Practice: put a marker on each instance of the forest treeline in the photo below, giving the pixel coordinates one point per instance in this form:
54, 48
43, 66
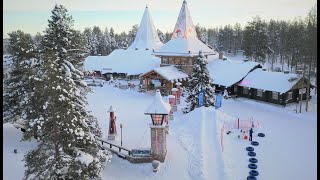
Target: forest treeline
291, 43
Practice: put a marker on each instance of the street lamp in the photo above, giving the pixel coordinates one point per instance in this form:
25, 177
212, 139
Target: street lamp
158, 110
121, 132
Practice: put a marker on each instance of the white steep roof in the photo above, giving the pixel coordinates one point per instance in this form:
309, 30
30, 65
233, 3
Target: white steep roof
111, 109
181, 47
132, 62
170, 73
270, 81
158, 106
228, 72
184, 41
147, 36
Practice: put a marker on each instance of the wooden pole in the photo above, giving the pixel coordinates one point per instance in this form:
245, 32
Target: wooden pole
304, 67
308, 86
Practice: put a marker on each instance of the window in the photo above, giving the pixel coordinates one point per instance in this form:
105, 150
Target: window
183, 61
275, 95
289, 95
165, 60
177, 61
156, 119
171, 60
259, 92
245, 90
235, 89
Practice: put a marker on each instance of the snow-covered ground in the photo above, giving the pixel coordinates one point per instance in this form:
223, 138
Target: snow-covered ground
287, 152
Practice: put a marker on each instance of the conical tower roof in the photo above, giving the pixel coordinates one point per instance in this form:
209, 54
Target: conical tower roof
147, 36
184, 41
184, 27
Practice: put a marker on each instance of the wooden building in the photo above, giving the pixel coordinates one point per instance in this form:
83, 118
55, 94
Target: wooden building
274, 87
179, 54
168, 76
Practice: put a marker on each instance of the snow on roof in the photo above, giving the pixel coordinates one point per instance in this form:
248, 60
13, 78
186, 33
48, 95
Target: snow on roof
147, 36
171, 96
181, 47
132, 62
184, 26
184, 41
169, 73
270, 81
111, 109
158, 106
228, 72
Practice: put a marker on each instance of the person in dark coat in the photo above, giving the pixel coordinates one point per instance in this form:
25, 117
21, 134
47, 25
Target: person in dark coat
250, 134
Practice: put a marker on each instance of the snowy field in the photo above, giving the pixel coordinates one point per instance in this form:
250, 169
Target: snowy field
287, 152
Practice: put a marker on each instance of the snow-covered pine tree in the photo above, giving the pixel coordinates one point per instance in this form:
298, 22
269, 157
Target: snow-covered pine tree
161, 35
107, 40
66, 133
200, 80
18, 85
132, 33
87, 33
113, 42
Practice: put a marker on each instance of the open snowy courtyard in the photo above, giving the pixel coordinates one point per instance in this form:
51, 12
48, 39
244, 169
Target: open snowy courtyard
288, 151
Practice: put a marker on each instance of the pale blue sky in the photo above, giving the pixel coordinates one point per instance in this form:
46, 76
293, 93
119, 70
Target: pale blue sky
31, 15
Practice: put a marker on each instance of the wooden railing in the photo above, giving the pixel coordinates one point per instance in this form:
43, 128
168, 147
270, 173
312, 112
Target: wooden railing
119, 147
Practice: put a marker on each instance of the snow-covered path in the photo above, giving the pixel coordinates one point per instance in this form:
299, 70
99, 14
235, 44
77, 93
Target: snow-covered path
201, 143
213, 162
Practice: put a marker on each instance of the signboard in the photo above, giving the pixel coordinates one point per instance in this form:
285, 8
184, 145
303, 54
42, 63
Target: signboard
302, 91
218, 101
201, 98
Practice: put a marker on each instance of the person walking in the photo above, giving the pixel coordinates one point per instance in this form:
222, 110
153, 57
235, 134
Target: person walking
250, 134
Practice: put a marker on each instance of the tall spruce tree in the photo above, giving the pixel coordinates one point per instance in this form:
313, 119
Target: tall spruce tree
200, 80
66, 133
18, 85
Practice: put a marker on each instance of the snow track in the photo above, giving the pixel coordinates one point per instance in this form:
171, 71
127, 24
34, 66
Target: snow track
201, 143
213, 162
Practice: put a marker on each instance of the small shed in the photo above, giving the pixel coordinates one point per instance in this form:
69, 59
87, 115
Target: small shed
167, 75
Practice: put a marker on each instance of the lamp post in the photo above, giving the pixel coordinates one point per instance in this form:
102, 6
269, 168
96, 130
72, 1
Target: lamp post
171, 102
158, 111
121, 132
174, 93
178, 92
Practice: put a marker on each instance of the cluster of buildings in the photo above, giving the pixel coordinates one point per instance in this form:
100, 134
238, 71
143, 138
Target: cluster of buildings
148, 59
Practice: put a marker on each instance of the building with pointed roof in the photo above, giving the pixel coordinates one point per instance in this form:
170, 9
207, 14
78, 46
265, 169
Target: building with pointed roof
147, 36
184, 46
135, 60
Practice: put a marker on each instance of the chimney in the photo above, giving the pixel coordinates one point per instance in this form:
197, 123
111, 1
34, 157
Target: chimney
220, 55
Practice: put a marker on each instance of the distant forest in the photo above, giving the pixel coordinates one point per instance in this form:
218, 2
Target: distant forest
291, 43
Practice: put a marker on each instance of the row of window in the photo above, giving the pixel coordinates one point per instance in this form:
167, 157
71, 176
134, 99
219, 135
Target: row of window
177, 61
275, 95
